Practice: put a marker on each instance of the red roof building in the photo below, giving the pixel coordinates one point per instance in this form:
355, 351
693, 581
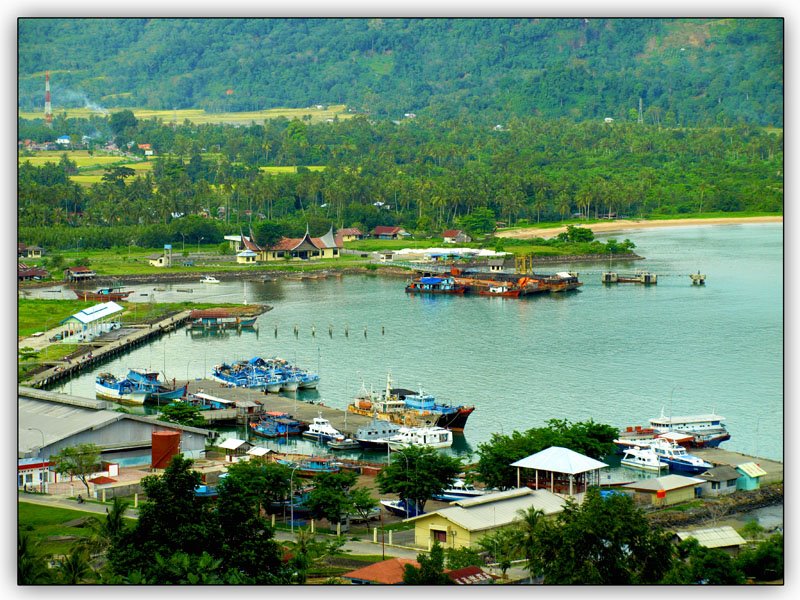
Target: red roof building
387, 572
470, 576
385, 232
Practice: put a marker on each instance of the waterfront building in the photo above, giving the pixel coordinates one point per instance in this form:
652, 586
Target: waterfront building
666, 490
465, 521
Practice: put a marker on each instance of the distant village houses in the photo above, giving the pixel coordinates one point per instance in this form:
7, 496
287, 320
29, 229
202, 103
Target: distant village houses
455, 236
384, 232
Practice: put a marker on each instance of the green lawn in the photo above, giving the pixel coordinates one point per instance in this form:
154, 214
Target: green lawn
45, 523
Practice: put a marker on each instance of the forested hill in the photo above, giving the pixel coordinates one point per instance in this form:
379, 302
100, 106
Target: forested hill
686, 71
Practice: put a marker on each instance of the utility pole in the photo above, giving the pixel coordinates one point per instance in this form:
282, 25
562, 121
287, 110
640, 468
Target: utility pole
641, 118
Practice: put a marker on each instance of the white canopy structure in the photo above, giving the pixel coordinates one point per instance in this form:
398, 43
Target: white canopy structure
556, 462
94, 320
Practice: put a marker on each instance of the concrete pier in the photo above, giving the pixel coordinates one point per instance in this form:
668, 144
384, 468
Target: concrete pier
342, 420
720, 456
107, 346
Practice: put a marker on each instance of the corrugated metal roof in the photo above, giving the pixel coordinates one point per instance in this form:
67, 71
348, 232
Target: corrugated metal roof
560, 460
499, 509
717, 537
751, 469
232, 444
721, 473
259, 451
388, 572
666, 483
56, 422
95, 313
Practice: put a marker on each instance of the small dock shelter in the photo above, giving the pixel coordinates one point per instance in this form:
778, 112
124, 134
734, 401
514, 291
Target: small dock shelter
94, 321
559, 470
751, 476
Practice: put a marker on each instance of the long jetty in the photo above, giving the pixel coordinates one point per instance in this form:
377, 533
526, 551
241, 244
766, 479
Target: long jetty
301, 410
107, 346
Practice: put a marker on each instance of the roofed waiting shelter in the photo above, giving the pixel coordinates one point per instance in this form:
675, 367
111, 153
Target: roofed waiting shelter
93, 321
559, 470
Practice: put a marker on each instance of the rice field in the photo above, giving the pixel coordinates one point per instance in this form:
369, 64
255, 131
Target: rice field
200, 116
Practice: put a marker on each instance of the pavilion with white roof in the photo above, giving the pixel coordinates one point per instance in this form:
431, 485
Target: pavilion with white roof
559, 470
94, 320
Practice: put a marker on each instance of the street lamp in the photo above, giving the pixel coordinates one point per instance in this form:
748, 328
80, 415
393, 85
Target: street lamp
41, 433
183, 242
198, 244
291, 497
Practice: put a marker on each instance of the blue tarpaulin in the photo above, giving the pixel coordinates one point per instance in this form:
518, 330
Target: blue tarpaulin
431, 280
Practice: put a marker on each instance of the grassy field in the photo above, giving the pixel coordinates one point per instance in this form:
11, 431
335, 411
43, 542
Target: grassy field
122, 261
46, 524
201, 116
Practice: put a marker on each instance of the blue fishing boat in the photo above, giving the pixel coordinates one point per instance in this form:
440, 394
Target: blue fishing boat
276, 424
402, 508
313, 465
119, 389
155, 389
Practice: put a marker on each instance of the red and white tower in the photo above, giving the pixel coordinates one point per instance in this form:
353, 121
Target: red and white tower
48, 111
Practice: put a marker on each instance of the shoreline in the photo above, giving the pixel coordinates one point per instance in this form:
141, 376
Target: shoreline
633, 224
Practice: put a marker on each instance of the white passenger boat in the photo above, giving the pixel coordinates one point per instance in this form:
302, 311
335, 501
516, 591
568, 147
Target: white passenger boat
321, 430
209, 279
643, 458
431, 437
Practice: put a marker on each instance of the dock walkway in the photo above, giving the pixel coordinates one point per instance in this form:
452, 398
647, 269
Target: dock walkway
106, 346
345, 422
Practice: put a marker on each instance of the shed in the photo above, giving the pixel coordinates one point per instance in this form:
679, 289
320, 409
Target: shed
751, 476
465, 521
234, 448
725, 538
258, 451
561, 470
719, 481
246, 257
666, 490
78, 274
94, 320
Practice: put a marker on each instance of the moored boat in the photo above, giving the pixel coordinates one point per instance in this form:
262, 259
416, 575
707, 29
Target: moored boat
276, 424
313, 465
410, 408
108, 294
501, 291
643, 458
375, 434
435, 285
677, 458
458, 490
120, 389
320, 429
344, 444
401, 508
209, 279
429, 437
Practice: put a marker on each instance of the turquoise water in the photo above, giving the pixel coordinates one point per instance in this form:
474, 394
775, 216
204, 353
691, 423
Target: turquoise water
616, 354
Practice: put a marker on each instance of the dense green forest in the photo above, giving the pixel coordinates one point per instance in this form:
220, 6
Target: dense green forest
687, 72
423, 174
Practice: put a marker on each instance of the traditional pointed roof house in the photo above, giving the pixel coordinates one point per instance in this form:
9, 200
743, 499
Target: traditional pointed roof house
305, 248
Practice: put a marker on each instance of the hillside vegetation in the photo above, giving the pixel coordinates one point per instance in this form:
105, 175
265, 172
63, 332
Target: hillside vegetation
686, 71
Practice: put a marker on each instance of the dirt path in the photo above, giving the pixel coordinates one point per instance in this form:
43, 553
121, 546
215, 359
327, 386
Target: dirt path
631, 224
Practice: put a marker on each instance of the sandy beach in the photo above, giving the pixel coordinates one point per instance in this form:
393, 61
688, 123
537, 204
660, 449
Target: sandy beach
632, 224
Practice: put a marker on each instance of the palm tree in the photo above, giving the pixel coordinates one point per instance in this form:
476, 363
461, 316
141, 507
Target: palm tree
528, 528
74, 568
31, 562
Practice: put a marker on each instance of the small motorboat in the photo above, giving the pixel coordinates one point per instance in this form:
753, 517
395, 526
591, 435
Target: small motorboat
344, 444
401, 508
459, 490
209, 279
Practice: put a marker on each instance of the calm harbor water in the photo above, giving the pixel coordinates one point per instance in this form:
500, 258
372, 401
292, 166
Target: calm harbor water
616, 354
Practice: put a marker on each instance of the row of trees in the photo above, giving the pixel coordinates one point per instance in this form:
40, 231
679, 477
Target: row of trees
424, 175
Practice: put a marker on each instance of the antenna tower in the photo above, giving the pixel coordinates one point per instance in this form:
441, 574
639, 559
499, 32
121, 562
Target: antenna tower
48, 111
